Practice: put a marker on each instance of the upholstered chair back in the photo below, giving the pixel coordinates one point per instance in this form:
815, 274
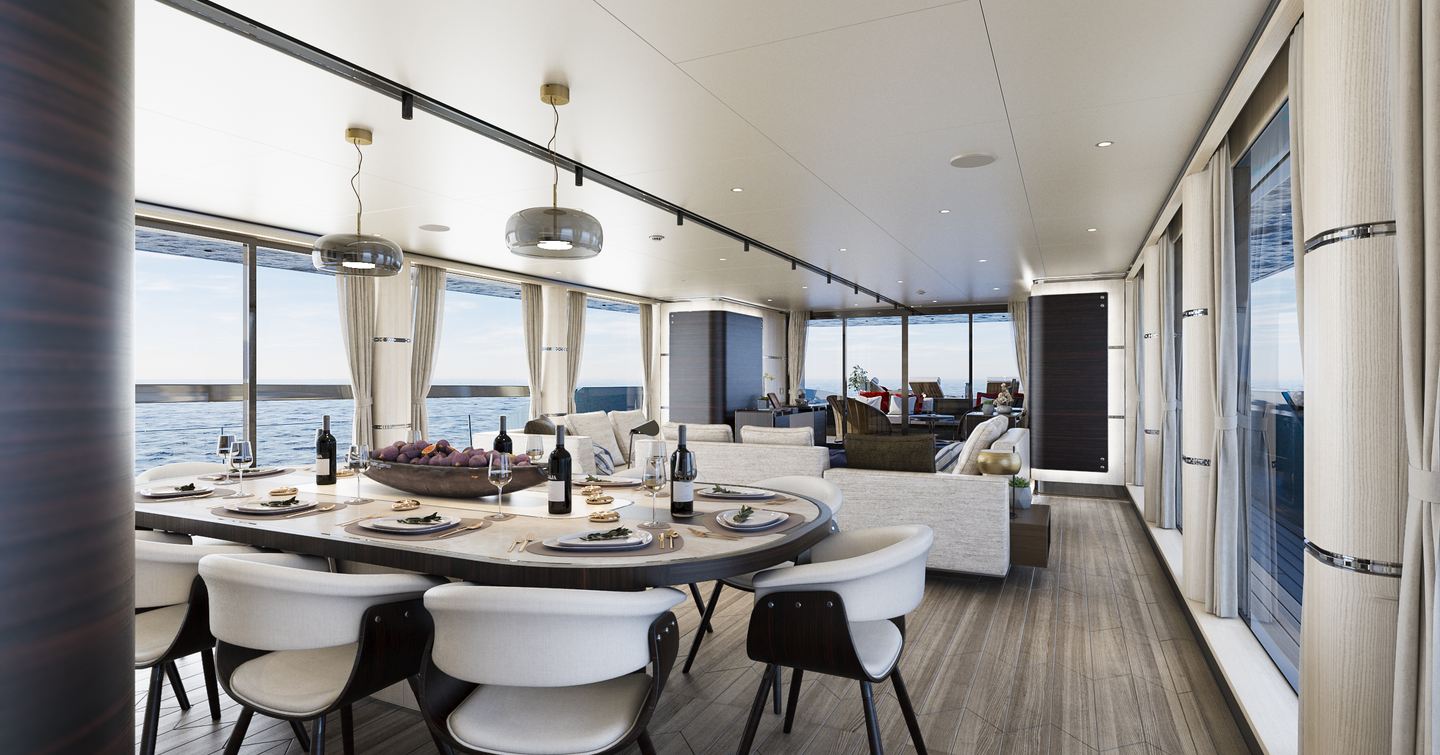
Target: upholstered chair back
165, 569
282, 601
180, 469
818, 488
534, 637
778, 436
879, 573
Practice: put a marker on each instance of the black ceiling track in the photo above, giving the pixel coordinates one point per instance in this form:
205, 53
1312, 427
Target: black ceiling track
281, 42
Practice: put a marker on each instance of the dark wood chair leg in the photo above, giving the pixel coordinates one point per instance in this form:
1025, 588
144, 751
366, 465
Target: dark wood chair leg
757, 709
775, 682
212, 690
237, 734
704, 624
317, 745
646, 746
347, 730
872, 726
700, 604
440, 746
300, 735
151, 729
175, 684
795, 677
911, 722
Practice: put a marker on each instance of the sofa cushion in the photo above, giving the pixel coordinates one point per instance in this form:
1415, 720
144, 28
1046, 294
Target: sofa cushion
896, 453
595, 426
622, 423
778, 436
981, 437
946, 457
604, 462
699, 432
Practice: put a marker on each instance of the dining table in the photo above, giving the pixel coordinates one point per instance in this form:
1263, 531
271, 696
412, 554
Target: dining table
508, 553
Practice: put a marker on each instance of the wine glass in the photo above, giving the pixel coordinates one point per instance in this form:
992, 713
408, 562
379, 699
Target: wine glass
535, 447
240, 457
358, 460
499, 477
655, 468
222, 447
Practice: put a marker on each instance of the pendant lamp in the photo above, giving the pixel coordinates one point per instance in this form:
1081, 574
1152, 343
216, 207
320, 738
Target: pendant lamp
554, 232
357, 253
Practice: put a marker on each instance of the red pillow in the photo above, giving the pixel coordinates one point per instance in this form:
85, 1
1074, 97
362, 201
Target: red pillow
884, 399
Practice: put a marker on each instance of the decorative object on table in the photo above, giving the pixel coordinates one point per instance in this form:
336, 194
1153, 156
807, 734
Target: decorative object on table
1003, 400
987, 406
357, 253
325, 451
438, 469
499, 474
653, 463
1020, 492
405, 504
358, 460
997, 462
682, 479
554, 232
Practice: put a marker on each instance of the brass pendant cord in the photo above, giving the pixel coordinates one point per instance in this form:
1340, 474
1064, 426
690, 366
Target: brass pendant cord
555, 186
359, 205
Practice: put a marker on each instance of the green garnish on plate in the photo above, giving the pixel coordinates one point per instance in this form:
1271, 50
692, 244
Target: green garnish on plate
592, 478
434, 518
615, 534
187, 487
743, 514
722, 490
281, 504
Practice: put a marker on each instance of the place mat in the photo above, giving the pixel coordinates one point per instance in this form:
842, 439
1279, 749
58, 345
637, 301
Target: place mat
232, 477
228, 514
356, 529
792, 521
779, 498
215, 496
653, 549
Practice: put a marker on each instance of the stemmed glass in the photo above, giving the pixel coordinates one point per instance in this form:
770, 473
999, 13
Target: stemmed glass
655, 467
535, 447
499, 477
222, 448
359, 460
240, 457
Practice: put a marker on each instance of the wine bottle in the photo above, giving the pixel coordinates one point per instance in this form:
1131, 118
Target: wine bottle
502, 441
325, 455
682, 479
559, 474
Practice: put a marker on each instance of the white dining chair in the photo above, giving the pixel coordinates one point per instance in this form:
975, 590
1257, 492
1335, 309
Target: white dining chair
180, 469
295, 641
532, 670
817, 488
172, 619
842, 614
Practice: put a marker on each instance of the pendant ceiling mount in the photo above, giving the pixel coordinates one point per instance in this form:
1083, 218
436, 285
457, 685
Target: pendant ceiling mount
554, 232
357, 253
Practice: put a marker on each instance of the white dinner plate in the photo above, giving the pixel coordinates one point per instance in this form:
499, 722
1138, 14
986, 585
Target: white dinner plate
738, 495
250, 474
393, 525
174, 491
258, 506
576, 542
758, 521
606, 481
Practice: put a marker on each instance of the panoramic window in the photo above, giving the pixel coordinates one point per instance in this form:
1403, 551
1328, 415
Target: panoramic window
940, 350
612, 376
994, 350
480, 367
1271, 384
824, 371
873, 351
189, 336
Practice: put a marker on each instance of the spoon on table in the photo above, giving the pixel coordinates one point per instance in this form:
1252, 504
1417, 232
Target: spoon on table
317, 510
475, 526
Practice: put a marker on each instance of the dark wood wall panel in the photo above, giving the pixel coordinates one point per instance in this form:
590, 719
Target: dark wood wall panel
1067, 397
715, 365
67, 551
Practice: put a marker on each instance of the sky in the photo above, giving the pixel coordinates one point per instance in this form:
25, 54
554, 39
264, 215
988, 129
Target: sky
937, 350
187, 315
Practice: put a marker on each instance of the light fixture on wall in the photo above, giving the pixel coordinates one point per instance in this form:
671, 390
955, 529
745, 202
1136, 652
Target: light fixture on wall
554, 232
357, 253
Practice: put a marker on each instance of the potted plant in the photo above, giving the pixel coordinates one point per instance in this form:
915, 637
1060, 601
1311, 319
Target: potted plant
859, 379
1020, 492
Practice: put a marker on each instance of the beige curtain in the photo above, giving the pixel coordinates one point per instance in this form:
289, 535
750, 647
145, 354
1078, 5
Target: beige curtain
1297, 168
429, 316
1415, 124
532, 317
798, 325
1225, 467
356, 295
1135, 354
1020, 320
1168, 463
574, 342
647, 358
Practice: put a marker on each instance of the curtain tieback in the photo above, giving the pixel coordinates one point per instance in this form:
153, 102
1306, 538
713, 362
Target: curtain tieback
1425, 484
1227, 422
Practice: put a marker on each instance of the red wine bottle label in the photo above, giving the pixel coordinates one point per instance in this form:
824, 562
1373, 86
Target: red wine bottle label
683, 491
322, 467
556, 490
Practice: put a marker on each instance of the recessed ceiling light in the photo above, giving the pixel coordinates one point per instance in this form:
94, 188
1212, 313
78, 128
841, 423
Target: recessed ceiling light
944, 212
972, 160
737, 189
997, 288
984, 260
1091, 230
899, 281
934, 301
843, 249
804, 286
722, 259
769, 300
435, 227
1104, 144
657, 237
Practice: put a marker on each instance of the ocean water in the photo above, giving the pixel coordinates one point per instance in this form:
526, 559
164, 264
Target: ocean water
285, 430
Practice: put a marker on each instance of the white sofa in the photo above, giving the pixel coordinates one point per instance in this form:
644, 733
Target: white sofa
970, 514
744, 463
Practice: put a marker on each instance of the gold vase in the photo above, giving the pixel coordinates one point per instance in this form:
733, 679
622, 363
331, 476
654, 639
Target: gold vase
999, 462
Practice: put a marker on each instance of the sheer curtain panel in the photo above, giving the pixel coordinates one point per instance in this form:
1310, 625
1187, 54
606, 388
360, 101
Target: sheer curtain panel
356, 295
799, 323
1224, 493
647, 360
1020, 322
574, 340
533, 321
429, 316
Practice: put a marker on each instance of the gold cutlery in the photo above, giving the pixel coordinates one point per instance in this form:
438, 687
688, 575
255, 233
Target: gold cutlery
707, 533
514, 544
317, 510
475, 526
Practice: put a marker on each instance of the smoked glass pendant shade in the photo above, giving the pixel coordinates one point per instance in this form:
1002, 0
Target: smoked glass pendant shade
554, 233
357, 254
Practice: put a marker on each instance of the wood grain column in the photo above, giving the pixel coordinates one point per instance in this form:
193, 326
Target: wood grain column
1354, 457
66, 391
